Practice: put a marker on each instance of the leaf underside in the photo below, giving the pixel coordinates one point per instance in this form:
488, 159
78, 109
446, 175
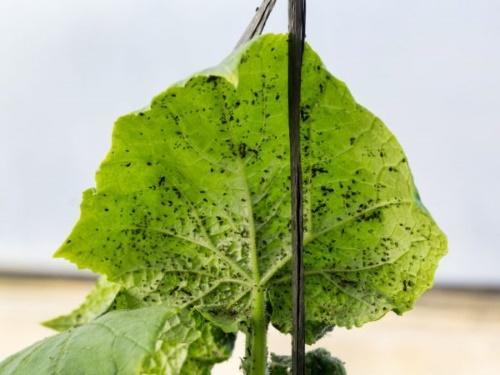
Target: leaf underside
192, 202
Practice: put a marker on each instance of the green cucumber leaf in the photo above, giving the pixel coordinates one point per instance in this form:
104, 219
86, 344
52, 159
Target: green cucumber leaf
211, 347
97, 302
317, 362
191, 205
152, 340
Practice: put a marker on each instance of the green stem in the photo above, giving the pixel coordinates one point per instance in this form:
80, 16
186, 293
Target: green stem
256, 341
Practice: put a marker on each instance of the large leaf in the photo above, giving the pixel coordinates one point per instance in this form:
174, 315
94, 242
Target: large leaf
192, 202
152, 340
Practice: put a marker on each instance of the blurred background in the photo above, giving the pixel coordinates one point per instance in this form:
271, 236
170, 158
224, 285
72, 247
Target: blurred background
430, 70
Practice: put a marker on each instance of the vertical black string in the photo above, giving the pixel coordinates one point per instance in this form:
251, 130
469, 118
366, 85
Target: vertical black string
296, 29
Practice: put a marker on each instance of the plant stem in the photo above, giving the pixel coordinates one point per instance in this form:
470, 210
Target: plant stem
256, 341
258, 22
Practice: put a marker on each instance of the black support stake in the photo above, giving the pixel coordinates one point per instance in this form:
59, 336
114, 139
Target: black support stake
296, 29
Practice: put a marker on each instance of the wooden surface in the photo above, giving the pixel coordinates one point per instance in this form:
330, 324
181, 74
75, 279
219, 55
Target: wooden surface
449, 332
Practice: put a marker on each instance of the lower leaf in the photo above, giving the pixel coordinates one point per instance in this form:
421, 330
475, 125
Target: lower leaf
151, 340
318, 362
197, 356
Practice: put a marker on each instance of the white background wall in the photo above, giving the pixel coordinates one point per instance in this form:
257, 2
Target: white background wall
430, 69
